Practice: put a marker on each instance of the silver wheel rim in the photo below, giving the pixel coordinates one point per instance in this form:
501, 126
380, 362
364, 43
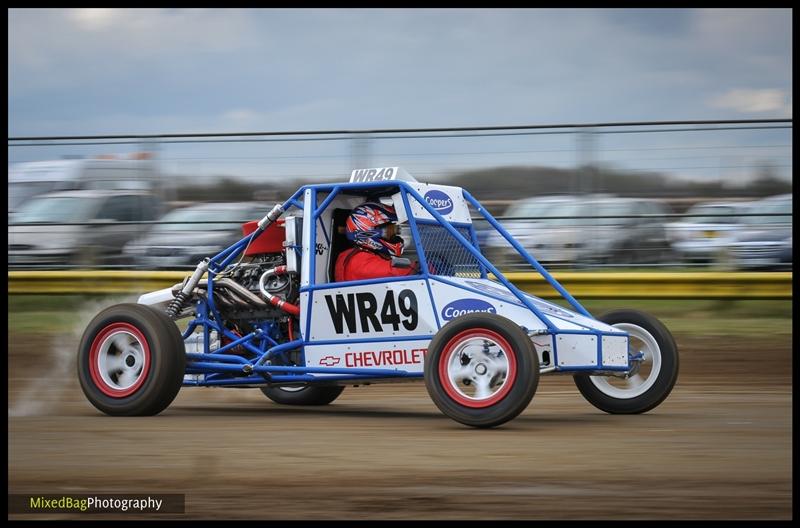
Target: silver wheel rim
292, 389
631, 387
478, 368
121, 360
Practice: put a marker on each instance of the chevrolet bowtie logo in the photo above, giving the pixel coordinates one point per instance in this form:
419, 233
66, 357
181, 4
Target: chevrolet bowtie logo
329, 361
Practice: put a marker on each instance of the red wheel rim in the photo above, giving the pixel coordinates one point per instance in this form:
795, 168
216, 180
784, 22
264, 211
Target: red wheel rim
480, 368
110, 371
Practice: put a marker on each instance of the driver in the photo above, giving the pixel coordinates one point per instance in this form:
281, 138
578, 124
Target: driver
373, 229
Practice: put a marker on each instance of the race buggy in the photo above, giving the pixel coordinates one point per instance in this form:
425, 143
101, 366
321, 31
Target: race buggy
267, 313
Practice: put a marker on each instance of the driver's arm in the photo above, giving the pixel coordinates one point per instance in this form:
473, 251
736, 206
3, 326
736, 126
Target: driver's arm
368, 266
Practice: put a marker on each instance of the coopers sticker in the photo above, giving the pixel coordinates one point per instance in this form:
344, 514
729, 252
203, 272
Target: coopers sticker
501, 292
466, 306
439, 201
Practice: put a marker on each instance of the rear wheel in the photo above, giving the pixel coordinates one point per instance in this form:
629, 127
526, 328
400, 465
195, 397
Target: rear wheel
305, 395
481, 370
131, 361
654, 370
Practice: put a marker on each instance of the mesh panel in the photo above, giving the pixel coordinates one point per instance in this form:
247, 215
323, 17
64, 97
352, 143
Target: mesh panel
446, 254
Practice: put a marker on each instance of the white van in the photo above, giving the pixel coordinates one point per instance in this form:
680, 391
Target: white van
30, 179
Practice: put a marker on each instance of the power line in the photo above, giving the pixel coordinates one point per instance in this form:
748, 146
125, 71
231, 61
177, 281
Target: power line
405, 130
48, 141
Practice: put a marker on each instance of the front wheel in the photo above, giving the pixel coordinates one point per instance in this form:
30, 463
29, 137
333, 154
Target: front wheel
131, 361
305, 395
654, 367
481, 370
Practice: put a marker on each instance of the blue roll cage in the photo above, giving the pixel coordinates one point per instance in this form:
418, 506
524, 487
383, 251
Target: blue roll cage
217, 366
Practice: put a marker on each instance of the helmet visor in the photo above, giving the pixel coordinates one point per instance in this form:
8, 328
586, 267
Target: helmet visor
388, 231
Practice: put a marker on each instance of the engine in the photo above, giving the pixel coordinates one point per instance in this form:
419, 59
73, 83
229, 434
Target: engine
236, 304
257, 292
248, 274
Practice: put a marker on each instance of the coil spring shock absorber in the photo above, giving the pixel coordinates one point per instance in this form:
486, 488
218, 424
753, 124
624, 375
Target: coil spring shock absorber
180, 299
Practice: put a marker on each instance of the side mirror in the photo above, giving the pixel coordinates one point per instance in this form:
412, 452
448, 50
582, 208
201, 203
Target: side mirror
401, 262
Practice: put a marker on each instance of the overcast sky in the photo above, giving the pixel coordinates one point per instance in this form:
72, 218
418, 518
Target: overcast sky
114, 71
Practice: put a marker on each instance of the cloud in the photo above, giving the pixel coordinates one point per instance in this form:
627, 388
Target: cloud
174, 70
87, 47
93, 18
241, 115
753, 101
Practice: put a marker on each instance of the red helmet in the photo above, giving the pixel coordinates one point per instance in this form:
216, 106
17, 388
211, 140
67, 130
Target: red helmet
372, 226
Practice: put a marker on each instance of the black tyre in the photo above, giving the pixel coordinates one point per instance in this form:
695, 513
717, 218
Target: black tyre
131, 361
652, 379
481, 370
307, 395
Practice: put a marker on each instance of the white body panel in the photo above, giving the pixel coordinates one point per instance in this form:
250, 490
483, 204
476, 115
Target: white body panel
351, 315
464, 296
576, 350
293, 255
562, 318
615, 351
158, 298
446, 200
303, 314
322, 248
543, 344
372, 311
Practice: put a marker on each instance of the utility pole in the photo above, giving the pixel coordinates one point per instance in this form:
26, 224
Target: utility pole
359, 151
585, 146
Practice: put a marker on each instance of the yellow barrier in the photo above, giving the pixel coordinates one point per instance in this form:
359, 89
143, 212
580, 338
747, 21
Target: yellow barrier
581, 285
91, 282
661, 285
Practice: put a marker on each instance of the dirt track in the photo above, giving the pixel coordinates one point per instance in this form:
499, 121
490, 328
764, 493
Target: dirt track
718, 448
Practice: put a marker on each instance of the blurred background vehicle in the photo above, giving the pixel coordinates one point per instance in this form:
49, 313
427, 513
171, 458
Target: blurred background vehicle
185, 236
765, 240
707, 232
85, 228
586, 230
518, 219
628, 196
30, 179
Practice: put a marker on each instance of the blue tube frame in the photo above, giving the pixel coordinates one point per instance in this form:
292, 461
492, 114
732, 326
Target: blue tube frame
214, 365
